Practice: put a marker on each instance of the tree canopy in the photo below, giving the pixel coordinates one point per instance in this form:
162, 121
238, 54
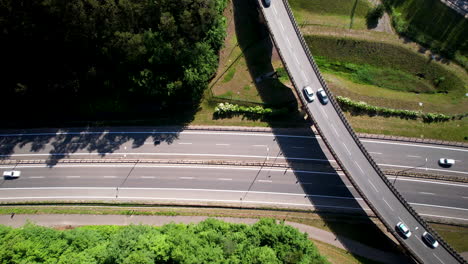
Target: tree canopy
211, 241
162, 49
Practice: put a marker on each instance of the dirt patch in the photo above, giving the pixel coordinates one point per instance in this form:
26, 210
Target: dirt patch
385, 22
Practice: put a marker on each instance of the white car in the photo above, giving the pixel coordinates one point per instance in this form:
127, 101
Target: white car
403, 229
12, 174
446, 162
309, 94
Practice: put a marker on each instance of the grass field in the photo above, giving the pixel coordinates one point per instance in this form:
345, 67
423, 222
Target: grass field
337, 13
386, 56
339, 256
452, 130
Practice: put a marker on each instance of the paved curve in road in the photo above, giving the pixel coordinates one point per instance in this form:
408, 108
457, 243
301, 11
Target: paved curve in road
390, 209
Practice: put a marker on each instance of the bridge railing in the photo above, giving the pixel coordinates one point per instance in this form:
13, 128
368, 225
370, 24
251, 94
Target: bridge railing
390, 227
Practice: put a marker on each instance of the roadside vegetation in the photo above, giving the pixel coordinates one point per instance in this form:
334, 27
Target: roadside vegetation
211, 241
342, 225
107, 59
339, 13
432, 24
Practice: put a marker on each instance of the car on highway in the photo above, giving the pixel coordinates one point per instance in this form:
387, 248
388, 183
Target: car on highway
322, 95
308, 94
267, 3
11, 174
403, 229
446, 162
430, 240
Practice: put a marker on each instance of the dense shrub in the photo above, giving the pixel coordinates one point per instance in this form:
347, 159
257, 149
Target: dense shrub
228, 110
350, 105
211, 241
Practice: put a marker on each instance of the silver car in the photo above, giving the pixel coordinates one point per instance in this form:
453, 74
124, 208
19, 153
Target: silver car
308, 94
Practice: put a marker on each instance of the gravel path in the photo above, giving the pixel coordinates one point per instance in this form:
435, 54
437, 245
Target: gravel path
80, 220
385, 23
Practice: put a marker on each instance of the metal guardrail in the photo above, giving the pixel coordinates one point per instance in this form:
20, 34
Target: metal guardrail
358, 142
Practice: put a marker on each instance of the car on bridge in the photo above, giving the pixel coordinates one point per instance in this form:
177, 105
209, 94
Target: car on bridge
403, 229
430, 240
322, 95
267, 3
308, 94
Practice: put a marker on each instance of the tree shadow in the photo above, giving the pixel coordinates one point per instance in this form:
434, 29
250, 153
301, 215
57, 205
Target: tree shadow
326, 192
57, 144
258, 50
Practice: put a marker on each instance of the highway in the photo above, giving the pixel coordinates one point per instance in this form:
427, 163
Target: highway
219, 145
328, 121
203, 184
312, 176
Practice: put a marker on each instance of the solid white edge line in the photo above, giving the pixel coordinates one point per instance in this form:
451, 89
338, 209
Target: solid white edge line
219, 133
417, 168
183, 199
162, 154
427, 181
184, 189
180, 167
428, 193
413, 145
442, 216
440, 206
266, 134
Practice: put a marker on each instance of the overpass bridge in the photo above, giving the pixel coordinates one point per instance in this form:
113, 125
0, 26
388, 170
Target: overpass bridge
350, 154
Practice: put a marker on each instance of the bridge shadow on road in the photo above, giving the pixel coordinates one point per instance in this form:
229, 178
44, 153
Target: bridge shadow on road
333, 201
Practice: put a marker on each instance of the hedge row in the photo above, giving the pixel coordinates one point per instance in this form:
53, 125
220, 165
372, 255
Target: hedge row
350, 105
227, 109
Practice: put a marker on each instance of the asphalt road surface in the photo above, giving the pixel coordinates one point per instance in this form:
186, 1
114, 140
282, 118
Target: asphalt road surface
384, 201
210, 145
222, 184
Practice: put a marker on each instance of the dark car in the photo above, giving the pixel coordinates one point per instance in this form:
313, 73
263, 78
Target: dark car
322, 96
267, 3
430, 240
